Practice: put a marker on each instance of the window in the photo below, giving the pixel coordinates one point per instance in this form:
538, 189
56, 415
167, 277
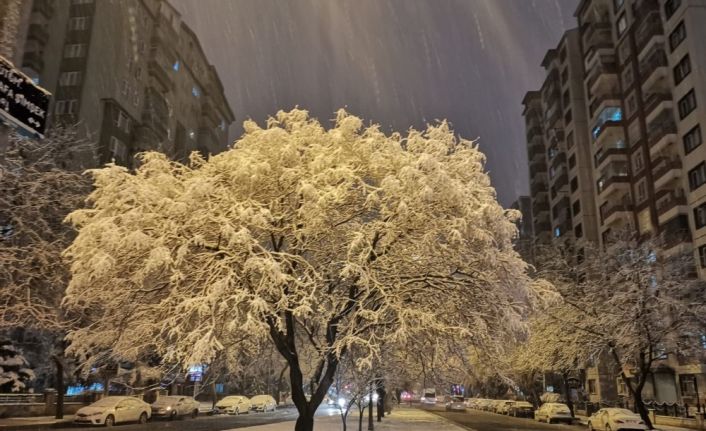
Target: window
565, 76
574, 184
562, 54
576, 207
700, 216
122, 122
124, 87
624, 51
78, 23
117, 150
566, 99
692, 139
641, 191
627, 76
687, 384
591, 386
687, 104
677, 36
66, 107
682, 69
697, 176
671, 6
60, 107
622, 24
557, 232
608, 114
702, 256
569, 140
638, 161
195, 91
74, 50
176, 66
70, 79
568, 117
572, 161
644, 221
578, 231
631, 105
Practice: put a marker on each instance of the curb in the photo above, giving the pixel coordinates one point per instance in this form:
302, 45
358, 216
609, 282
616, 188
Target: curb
450, 422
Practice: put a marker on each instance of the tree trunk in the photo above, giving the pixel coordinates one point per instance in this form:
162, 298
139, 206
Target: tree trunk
305, 421
360, 419
641, 409
59, 388
278, 389
567, 393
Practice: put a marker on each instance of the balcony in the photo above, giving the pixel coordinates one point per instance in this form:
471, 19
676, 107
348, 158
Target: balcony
603, 76
598, 34
613, 154
160, 74
552, 117
538, 207
612, 214
664, 170
537, 167
612, 182
156, 112
534, 131
535, 149
537, 187
38, 33
661, 132
670, 203
558, 160
650, 26
655, 104
43, 7
34, 61
560, 178
603, 101
653, 68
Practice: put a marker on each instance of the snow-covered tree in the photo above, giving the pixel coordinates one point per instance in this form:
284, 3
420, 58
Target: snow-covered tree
15, 371
39, 189
322, 241
633, 302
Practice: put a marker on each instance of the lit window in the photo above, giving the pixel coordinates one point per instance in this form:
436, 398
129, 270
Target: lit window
70, 79
78, 23
176, 66
609, 114
117, 151
74, 50
195, 91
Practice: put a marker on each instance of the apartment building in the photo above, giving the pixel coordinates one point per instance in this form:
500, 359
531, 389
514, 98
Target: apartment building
561, 189
639, 162
131, 73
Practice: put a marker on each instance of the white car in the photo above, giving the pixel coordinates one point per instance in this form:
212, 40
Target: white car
174, 406
553, 412
109, 411
263, 403
233, 405
503, 407
613, 419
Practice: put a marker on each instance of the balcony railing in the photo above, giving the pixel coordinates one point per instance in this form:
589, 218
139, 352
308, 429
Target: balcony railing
598, 100
650, 26
660, 128
662, 165
538, 187
536, 130
666, 200
535, 149
652, 100
656, 59
540, 206
608, 211
43, 7
536, 168
598, 70
600, 158
559, 159
39, 33
598, 33
609, 179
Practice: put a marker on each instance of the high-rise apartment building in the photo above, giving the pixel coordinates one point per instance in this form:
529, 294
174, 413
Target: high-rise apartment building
631, 83
131, 73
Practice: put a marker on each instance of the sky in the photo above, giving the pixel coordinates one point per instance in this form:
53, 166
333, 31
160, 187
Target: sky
398, 63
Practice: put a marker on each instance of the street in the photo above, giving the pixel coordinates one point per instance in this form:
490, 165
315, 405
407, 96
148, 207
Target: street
211, 423
486, 421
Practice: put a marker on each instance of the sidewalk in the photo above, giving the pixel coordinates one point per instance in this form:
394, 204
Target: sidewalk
401, 419
11, 424
584, 421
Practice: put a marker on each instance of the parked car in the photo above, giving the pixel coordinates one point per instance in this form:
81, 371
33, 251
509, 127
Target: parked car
174, 406
455, 404
614, 419
503, 407
495, 405
553, 412
521, 409
109, 411
487, 405
263, 403
429, 397
233, 405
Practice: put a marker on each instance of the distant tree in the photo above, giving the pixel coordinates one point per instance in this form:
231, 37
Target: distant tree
15, 371
634, 302
319, 240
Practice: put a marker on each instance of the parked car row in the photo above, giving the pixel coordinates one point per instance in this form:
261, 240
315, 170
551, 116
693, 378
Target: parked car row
505, 407
112, 410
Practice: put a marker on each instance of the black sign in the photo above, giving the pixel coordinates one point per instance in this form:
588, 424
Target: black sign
21, 101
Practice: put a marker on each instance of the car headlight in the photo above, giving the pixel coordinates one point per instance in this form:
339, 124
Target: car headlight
168, 408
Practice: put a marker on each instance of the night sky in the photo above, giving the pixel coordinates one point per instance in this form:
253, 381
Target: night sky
399, 63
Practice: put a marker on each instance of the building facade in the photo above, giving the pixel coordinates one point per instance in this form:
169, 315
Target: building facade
131, 74
631, 81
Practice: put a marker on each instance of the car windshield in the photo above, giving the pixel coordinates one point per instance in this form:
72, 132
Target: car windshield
457, 399
107, 402
259, 398
167, 400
